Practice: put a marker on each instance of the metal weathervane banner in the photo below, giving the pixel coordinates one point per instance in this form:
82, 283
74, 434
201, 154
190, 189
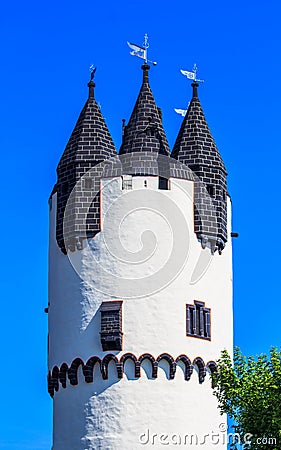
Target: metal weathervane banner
141, 52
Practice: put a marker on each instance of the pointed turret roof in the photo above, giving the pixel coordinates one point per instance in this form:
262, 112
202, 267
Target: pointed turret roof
145, 132
90, 140
89, 145
195, 144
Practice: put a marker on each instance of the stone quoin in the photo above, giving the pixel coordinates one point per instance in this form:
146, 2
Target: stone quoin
140, 281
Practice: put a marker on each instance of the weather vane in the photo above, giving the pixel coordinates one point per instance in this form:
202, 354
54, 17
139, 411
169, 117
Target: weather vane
141, 52
182, 112
191, 75
92, 71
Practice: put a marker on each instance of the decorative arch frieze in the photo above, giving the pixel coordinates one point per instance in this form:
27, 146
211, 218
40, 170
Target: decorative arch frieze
63, 374
104, 366
54, 379
199, 363
170, 360
88, 369
212, 367
133, 358
154, 364
73, 371
60, 375
188, 367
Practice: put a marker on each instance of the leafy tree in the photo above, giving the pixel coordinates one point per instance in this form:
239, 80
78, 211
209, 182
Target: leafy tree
249, 391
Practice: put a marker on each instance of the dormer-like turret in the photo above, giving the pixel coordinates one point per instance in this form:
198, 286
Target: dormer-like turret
90, 144
195, 147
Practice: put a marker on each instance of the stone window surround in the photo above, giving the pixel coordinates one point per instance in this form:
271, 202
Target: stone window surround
201, 330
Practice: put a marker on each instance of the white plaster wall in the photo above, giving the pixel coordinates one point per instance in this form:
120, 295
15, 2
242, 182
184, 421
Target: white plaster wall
126, 414
111, 414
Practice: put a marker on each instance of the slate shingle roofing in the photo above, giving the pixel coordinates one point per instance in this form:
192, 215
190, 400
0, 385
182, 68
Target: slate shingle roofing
145, 131
144, 144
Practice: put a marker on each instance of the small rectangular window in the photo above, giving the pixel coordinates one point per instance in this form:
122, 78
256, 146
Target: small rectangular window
163, 183
111, 325
198, 320
88, 183
127, 182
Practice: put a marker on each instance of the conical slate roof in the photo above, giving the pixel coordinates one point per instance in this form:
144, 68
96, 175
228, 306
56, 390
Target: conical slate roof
195, 144
196, 148
90, 144
90, 140
145, 132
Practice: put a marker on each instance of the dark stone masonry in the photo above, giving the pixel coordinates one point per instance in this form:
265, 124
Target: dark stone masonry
111, 325
196, 148
89, 145
144, 151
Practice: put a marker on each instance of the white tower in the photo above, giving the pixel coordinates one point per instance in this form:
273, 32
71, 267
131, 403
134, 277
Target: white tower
140, 283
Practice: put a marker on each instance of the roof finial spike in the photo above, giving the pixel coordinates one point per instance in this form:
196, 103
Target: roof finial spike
194, 89
145, 67
141, 52
91, 83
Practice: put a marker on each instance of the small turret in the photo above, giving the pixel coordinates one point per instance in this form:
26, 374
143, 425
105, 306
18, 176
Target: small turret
196, 148
90, 143
145, 132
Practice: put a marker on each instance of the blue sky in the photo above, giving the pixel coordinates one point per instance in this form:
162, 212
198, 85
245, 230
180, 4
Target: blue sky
46, 52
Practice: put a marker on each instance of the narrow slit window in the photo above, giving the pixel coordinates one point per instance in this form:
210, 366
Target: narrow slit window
163, 183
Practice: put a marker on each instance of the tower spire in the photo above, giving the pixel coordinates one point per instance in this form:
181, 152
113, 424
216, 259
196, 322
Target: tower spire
145, 131
83, 151
196, 148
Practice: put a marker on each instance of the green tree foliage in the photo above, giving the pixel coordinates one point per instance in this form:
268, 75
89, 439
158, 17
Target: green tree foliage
249, 391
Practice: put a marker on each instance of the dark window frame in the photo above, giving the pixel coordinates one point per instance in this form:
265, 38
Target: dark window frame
198, 320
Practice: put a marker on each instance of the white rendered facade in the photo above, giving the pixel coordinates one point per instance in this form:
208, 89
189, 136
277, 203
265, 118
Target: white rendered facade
131, 412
